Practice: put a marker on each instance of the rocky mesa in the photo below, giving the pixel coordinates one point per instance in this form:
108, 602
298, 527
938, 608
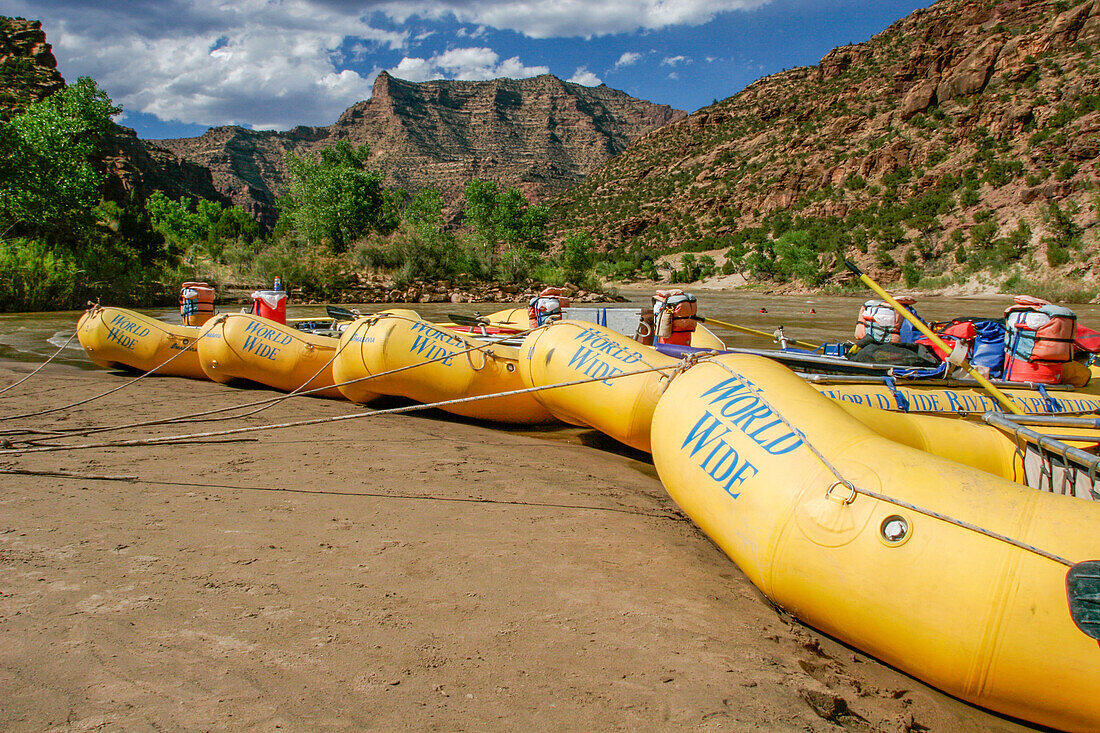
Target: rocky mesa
966, 133
541, 134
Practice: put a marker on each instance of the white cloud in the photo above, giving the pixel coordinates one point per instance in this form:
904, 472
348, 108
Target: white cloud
414, 69
564, 18
675, 60
467, 64
629, 58
583, 76
267, 64
275, 63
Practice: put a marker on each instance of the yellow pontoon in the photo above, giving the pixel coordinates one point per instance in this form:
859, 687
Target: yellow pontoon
246, 346
115, 337
431, 363
902, 535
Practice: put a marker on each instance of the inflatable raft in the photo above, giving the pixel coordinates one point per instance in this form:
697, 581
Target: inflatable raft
576, 351
117, 337
245, 346
398, 353
930, 559
622, 407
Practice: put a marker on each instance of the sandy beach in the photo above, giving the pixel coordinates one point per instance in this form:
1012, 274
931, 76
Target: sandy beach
404, 572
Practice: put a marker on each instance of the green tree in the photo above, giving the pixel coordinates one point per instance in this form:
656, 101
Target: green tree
182, 222
48, 183
336, 200
577, 257
505, 222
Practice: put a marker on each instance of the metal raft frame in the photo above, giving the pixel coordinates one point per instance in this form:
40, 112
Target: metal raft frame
1050, 464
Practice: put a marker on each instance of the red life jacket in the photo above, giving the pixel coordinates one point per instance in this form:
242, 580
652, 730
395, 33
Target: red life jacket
672, 316
1087, 340
963, 331
1039, 340
546, 307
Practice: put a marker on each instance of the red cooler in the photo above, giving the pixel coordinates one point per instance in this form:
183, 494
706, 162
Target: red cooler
270, 304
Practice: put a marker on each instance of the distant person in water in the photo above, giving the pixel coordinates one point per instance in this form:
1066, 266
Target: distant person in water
763, 310
812, 311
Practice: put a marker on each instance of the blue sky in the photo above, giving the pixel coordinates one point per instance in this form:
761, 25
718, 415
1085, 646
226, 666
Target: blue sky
180, 66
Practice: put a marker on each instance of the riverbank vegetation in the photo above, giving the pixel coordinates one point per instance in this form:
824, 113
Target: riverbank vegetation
62, 245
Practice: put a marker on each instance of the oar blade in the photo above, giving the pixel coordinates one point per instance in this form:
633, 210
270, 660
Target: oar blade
1083, 590
341, 314
460, 320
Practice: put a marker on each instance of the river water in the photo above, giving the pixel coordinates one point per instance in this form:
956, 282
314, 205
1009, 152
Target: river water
32, 337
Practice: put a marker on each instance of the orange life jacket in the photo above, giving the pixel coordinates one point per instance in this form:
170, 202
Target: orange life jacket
1039, 340
196, 303
880, 321
673, 312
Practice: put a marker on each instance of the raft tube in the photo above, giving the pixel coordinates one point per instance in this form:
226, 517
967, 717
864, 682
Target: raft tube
570, 351
923, 575
117, 337
246, 346
442, 368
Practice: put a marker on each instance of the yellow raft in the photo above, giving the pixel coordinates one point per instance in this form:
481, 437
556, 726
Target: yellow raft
115, 337
948, 571
245, 346
619, 406
436, 364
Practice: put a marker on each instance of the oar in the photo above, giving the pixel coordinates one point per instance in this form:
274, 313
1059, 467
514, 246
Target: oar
460, 320
995, 393
751, 331
481, 322
341, 314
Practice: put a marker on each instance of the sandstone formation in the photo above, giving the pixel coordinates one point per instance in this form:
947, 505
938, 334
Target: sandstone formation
540, 134
994, 106
28, 69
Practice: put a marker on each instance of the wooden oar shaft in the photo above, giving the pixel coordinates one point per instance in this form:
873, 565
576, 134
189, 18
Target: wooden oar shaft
752, 331
908, 315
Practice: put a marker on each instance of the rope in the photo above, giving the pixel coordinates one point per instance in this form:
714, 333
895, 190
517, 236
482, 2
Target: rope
43, 366
269, 402
320, 420
883, 497
133, 381
656, 514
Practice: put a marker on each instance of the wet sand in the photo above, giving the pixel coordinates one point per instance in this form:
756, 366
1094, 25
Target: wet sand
407, 572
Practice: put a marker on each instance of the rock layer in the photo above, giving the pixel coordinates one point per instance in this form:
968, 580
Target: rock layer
1001, 98
540, 134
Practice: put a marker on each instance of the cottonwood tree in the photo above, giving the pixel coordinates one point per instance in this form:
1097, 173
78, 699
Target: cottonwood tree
506, 224
48, 182
336, 200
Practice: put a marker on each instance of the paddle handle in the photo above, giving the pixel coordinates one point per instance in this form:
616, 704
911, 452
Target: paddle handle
751, 331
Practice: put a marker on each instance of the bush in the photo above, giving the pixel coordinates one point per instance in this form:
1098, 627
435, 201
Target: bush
34, 278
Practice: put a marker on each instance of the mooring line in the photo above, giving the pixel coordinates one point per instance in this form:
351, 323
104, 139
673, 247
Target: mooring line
133, 381
168, 439
270, 401
42, 366
670, 514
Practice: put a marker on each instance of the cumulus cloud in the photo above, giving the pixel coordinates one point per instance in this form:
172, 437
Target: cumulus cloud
467, 64
275, 63
629, 58
583, 76
268, 64
564, 17
675, 60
